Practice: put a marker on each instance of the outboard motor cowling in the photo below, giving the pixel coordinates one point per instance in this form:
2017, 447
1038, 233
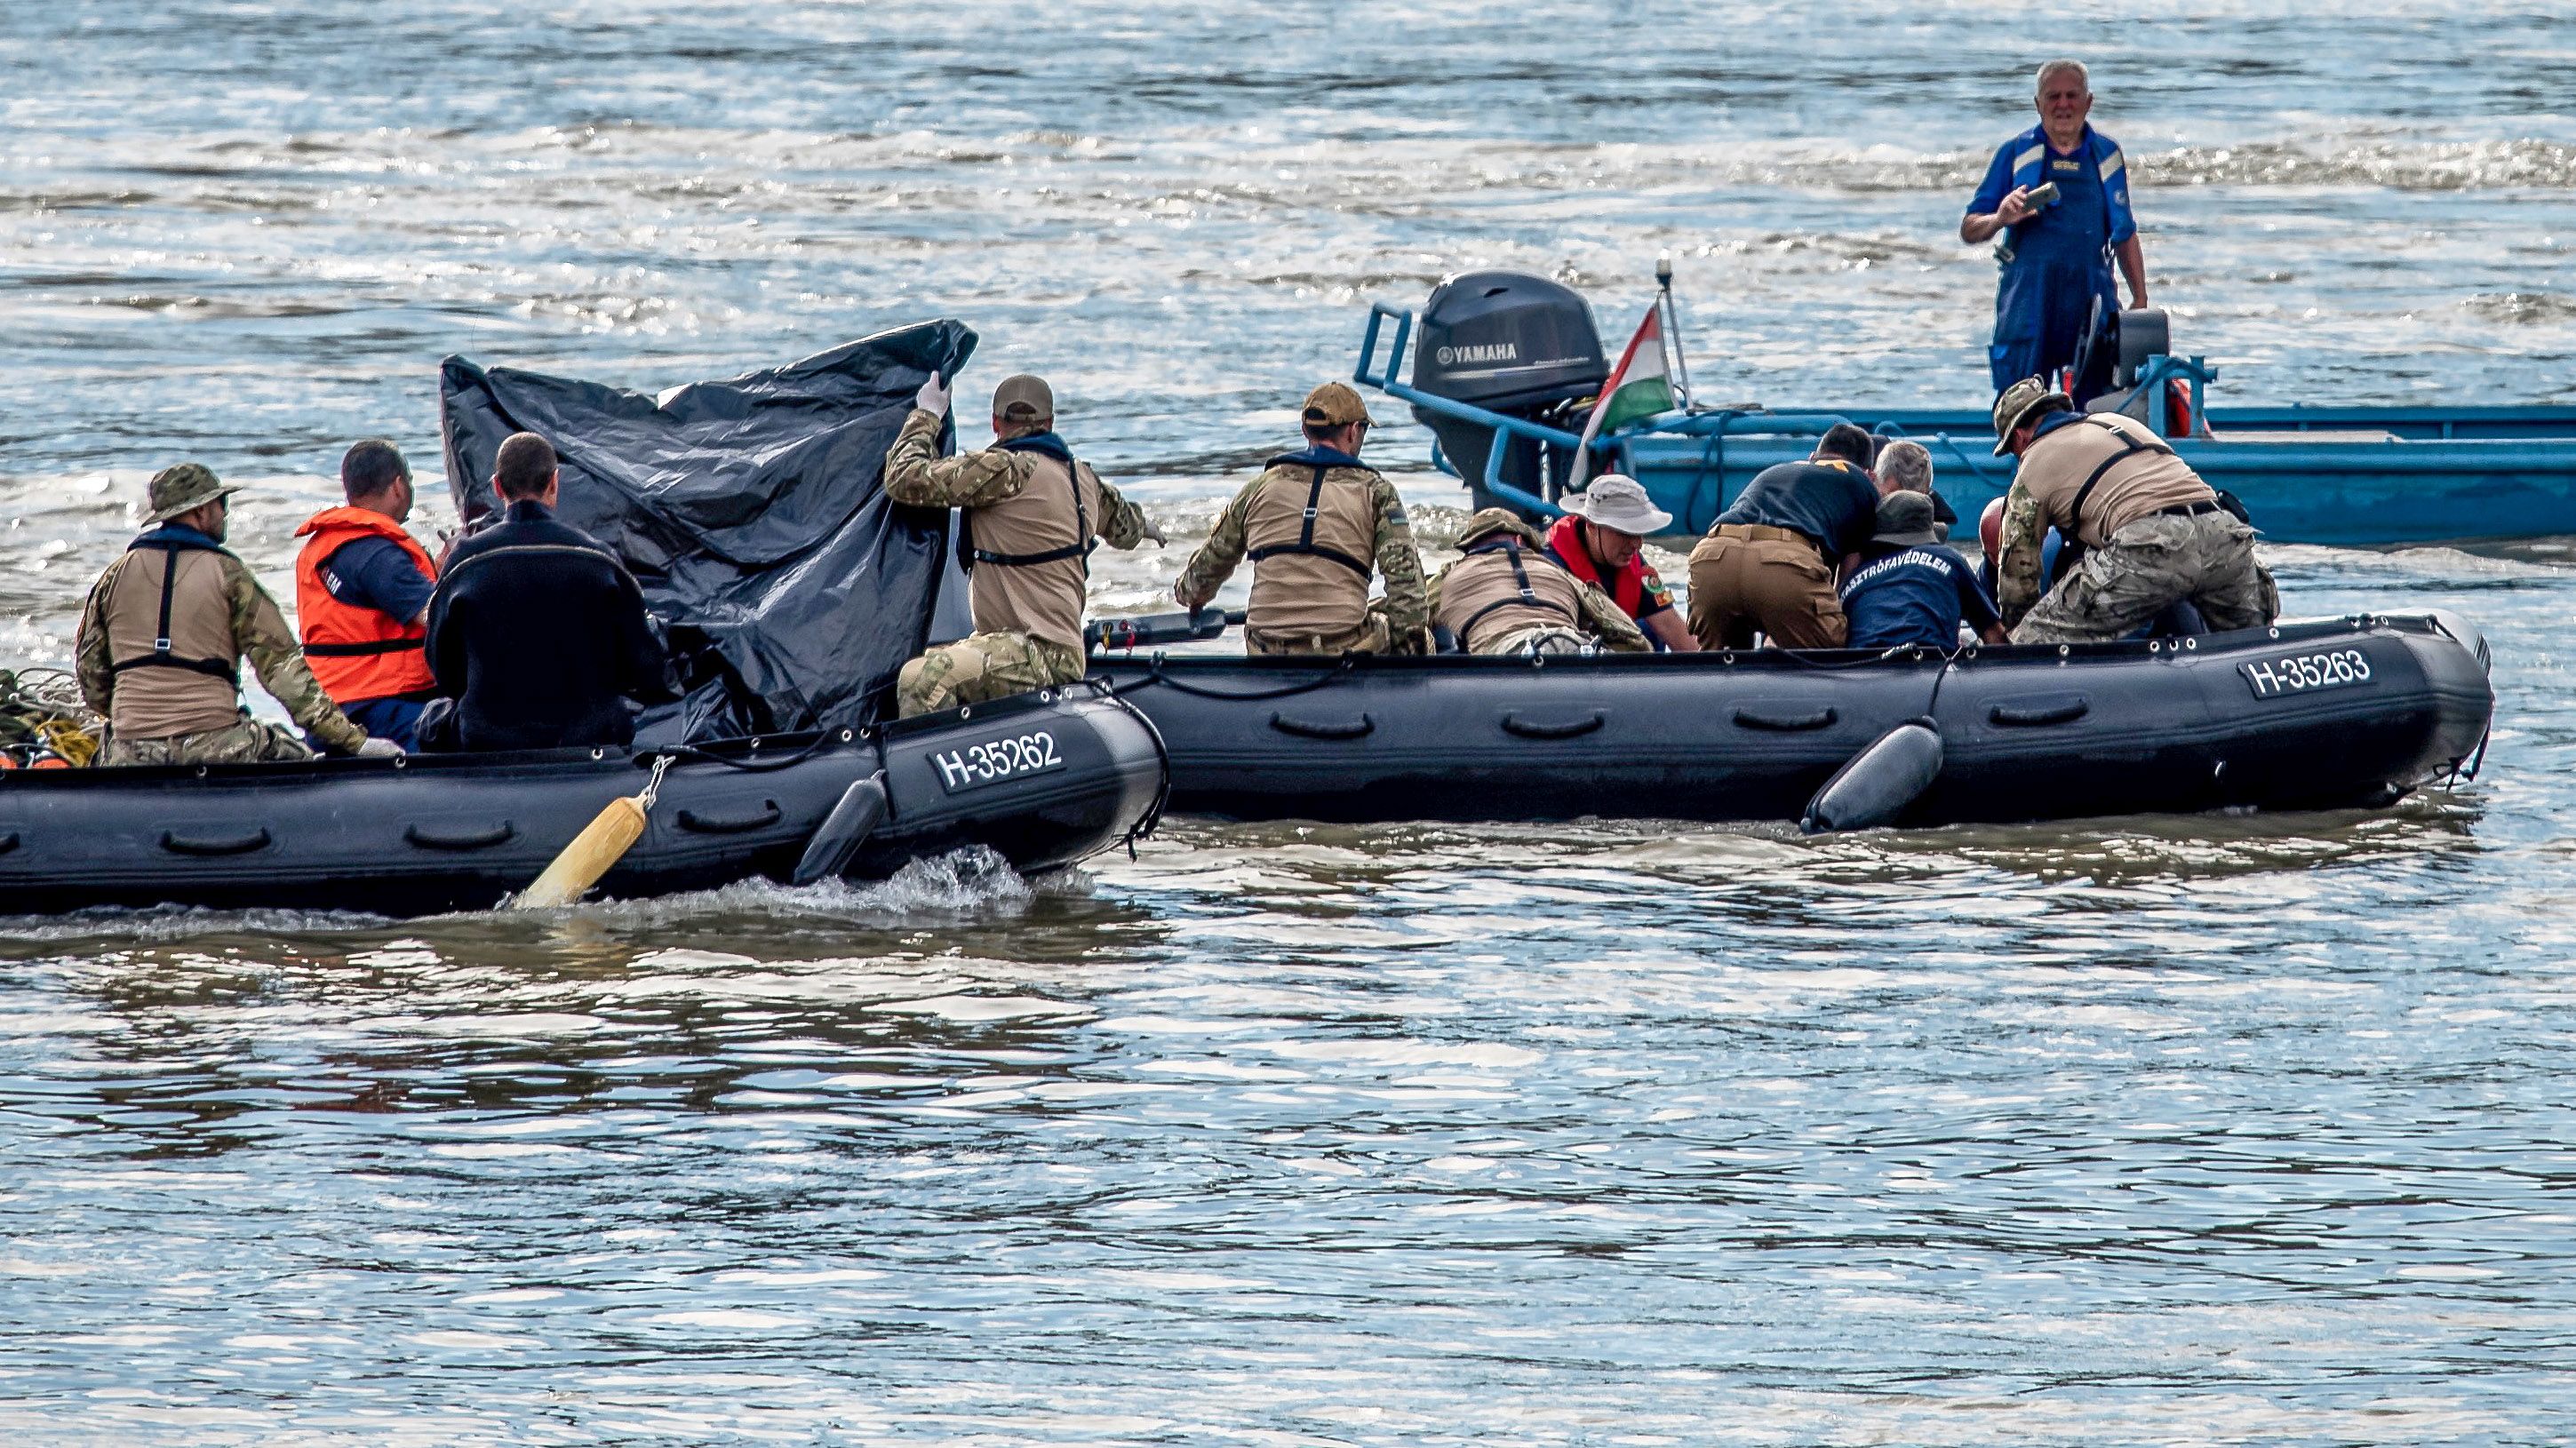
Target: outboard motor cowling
1512, 343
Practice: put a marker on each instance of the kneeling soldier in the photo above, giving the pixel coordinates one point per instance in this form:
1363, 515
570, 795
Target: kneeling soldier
1031, 512
1317, 524
2152, 533
1505, 595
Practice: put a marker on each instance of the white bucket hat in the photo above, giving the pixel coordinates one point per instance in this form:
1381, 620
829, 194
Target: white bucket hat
1616, 500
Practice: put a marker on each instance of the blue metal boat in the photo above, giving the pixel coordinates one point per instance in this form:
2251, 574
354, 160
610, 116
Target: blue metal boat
1502, 375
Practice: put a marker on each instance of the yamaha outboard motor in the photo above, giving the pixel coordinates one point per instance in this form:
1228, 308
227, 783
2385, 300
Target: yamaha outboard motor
1512, 343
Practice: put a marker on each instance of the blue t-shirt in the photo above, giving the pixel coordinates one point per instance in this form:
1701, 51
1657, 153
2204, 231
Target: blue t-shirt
1835, 503
376, 573
1918, 594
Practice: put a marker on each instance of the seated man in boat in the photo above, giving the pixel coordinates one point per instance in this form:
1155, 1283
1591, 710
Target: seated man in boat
2152, 532
2056, 253
1909, 587
163, 635
1769, 563
536, 630
362, 589
1317, 524
1601, 540
1505, 595
1030, 514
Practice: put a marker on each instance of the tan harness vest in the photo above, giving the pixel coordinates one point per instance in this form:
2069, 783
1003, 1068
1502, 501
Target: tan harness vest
1310, 534
1031, 553
170, 644
2097, 475
1501, 586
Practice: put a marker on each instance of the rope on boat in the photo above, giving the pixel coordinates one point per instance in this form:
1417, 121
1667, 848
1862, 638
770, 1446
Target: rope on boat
1154, 675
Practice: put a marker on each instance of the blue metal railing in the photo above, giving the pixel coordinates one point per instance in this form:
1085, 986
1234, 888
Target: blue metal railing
1504, 427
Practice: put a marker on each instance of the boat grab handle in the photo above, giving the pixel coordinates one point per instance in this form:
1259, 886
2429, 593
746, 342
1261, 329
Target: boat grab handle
731, 824
1554, 729
1784, 723
467, 839
178, 844
2064, 709
1324, 729
8, 842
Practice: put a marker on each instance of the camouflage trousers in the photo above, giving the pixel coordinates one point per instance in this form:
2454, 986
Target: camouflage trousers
982, 666
1545, 638
246, 742
2156, 561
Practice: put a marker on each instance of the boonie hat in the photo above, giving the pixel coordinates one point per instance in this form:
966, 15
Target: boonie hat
2018, 402
175, 490
1024, 397
1616, 500
1905, 519
1335, 404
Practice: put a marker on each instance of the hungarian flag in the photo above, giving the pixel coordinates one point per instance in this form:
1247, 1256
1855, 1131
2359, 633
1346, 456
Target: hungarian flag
1637, 386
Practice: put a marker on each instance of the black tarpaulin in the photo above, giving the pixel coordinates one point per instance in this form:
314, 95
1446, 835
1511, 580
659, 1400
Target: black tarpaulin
752, 513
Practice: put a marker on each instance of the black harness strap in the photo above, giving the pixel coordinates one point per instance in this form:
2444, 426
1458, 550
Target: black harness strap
364, 650
2075, 510
1081, 547
1511, 548
1306, 536
161, 657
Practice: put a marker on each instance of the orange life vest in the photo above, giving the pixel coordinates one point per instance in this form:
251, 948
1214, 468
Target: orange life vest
357, 653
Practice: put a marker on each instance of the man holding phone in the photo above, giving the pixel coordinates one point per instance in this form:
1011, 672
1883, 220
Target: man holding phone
2059, 194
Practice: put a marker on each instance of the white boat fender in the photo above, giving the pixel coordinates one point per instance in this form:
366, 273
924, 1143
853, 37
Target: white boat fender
1874, 786
861, 809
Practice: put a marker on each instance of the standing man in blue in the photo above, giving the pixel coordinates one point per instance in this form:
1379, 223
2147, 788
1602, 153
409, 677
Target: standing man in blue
2056, 254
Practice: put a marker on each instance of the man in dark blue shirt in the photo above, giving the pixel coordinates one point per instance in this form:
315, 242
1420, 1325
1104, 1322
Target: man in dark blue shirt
1769, 562
1908, 587
537, 631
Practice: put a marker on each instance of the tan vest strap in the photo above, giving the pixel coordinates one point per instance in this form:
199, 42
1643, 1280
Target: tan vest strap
2075, 509
1527, 597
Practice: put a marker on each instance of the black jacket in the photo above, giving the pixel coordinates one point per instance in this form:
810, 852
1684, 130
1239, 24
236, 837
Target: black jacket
1835, 504
536, 631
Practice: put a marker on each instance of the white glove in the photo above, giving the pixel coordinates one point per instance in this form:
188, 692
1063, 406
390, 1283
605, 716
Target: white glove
1157, 534
932, 398
372, 748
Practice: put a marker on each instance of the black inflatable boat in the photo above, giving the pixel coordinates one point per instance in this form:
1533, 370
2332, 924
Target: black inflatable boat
2348, 712
1043, 779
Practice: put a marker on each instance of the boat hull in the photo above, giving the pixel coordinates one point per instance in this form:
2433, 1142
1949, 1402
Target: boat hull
436, 833
2030, 733
2350, 477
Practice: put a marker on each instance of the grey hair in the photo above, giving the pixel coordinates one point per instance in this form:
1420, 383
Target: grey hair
2039, 83
1907, 466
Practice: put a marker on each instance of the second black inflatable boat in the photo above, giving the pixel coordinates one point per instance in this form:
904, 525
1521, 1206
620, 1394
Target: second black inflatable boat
2347, 712
1043, 779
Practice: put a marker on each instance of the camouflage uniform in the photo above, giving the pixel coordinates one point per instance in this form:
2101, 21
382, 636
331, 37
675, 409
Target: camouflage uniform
1400, 621
248, 742
991, 662
1599, 617
2119, 587
259, 632
983, 666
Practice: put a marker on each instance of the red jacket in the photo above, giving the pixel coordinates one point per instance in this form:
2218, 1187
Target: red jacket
1638, 589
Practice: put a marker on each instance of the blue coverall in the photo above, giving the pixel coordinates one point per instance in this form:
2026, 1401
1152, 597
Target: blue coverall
2056, 263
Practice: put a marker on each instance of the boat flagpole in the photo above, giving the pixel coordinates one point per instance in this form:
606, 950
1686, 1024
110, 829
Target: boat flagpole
1673, 328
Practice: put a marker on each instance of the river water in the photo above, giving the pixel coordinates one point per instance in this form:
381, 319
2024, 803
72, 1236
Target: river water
2190, 1129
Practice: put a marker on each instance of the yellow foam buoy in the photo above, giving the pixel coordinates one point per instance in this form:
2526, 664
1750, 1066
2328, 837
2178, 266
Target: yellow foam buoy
601, 844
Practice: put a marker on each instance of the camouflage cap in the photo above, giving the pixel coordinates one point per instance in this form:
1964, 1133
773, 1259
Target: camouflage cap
2018, 402
175, 490
1487, 522
1335, 404
1024, 397
1906, 518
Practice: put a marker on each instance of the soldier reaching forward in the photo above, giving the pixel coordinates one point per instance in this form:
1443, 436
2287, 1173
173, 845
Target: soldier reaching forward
1317, 524
1031, 512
